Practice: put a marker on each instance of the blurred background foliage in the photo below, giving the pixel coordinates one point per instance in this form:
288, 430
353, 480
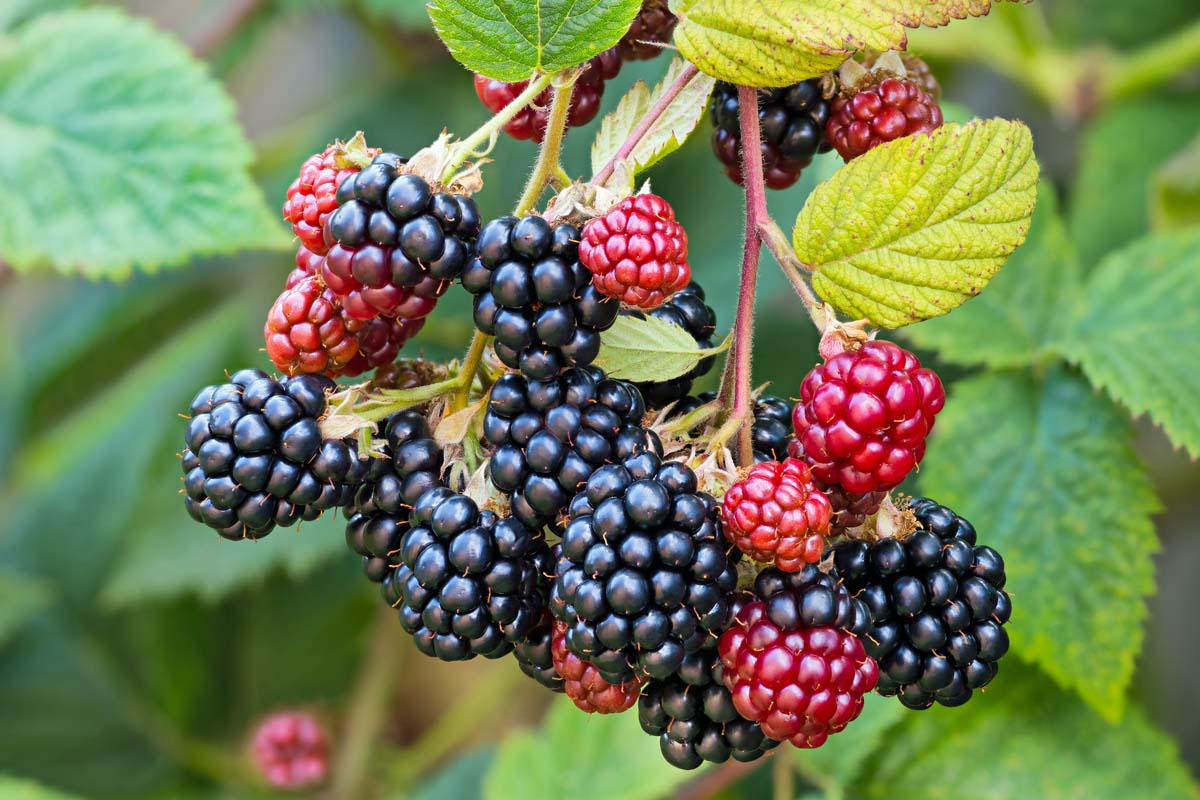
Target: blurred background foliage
136, 652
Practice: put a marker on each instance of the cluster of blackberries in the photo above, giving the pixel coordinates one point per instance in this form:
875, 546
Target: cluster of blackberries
534, 296
685, 309
255, 457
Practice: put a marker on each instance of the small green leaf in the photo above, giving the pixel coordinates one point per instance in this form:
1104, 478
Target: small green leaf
1175, 193
125, 161
667, 134
1044, 469
17, 789
510, 40
460, 779
1021, 739
1024, 309
21, 598
582, 757
1140, 320
16, 12
918, 226
649, 349
780, 42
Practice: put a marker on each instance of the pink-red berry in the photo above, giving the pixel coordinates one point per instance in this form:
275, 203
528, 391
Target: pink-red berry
876, 114
291, 750
306, 333
583, 684
651, 29
863, 417
312, 196
637, 252
380, 341
776, 514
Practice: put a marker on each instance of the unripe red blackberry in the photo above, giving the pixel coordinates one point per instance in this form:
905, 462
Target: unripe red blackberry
306, 333
651, 28
792, 120
777, 515
879, 113
792, 660
291, 751
531, 122
311, 197
380, 341
863, 417
937, 604
637, 252
308, 264
583, 683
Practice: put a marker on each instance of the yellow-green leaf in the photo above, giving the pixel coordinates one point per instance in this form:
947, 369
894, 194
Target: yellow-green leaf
1175, 193
916, 227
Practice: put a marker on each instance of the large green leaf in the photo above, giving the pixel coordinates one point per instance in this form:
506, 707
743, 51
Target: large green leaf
15, 12
1138, 335
15, 789
582, 757
21, 598
918, 226
1044, 469
1025, 307
460, 779
1175, 199
512, 39
126, 151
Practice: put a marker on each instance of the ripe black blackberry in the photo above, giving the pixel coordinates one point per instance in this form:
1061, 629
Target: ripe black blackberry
551, 435
534, 657
394, 243
772, 429
645, 579
651, 29
938, 606
793, 130
535, 297
379, 513
254, 455
685, 309
468, 583
693, 715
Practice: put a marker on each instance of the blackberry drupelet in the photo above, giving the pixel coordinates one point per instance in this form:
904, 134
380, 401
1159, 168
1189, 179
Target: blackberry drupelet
550, 436
871, 115
693, 716
938, 607
254, 455
645, 578
582, 682
536, 298
793, 130
534, 656
686, 309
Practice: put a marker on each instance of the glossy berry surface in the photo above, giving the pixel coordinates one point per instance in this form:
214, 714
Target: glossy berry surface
777, 515
254, 457
584, 685
306, 333
693, 716
644, 578
550, 436
637, 252
533, 653
793, 130
291, 751
312, 196
468, 583
686, 309
886, 111
380, 341
651, 29
536, 298
531, 122
863, 417
772, 429
938, 607
791, 659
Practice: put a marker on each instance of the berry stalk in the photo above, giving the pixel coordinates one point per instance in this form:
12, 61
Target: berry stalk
467, 147
470, 366
548, 163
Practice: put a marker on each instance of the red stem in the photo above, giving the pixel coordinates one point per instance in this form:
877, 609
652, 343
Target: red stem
646, 122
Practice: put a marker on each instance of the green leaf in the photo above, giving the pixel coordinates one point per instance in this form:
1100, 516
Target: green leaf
918, 226
1110, 197
125, 161
780, 42
1044, 469
667, 134
1024, 309
1139, 322
460, 779
21, 598
582, 757
17, 789
649, 349
1175, 198
1019, 740
510, 40
16, 12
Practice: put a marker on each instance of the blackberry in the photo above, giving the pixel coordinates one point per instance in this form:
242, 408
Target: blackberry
938, 607
693, 716
534, 656
536, 298
291, 750
645, 579
254, 456
394, 243
651, 29
867, 116
686, 309
793, 130
550, 436
582, 682
469, 583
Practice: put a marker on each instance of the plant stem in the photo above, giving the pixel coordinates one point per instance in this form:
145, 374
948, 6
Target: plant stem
492, 127
548, 165
735, 384
645, 123
1153, 65
470, 366
230, 19
783, 780
368, 709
